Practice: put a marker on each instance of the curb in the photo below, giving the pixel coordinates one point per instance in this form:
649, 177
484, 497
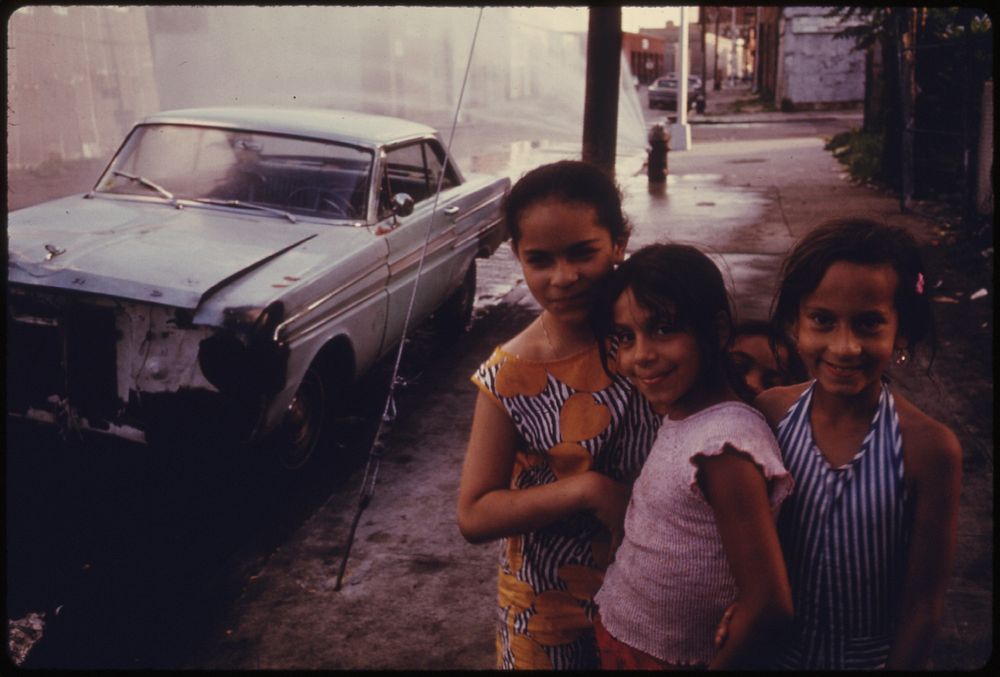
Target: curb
761, 120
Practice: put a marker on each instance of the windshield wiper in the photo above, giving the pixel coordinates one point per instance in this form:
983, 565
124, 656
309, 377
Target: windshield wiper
149, 184
243, 205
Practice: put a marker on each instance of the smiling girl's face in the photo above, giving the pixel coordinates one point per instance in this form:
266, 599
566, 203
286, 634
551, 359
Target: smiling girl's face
847, 328
660, 357
564, 252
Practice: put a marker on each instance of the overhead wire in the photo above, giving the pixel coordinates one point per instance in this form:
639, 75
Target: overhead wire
389, 412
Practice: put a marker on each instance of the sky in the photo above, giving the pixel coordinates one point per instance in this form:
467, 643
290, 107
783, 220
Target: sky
575, 18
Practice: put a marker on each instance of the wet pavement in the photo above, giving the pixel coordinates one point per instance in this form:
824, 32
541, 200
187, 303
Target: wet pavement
262, 558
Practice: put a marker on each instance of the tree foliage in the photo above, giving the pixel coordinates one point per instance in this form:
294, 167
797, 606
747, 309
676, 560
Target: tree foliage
868, 25
949, 52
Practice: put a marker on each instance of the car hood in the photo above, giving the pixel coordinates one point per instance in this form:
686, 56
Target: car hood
141, 250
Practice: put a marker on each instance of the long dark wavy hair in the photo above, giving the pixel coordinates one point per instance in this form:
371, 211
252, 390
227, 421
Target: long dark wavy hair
569, 181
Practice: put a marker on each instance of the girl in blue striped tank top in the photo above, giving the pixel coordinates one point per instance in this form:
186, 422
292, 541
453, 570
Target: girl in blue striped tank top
869, 532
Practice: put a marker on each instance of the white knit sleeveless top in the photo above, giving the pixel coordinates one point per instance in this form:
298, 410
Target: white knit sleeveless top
670, 581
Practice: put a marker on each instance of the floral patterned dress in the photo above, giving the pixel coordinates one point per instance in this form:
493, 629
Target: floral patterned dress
571, 416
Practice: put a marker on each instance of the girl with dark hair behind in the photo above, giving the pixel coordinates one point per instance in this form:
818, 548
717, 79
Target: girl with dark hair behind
763, 359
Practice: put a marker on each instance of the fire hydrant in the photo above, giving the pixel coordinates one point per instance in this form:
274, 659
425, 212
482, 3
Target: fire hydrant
659, 145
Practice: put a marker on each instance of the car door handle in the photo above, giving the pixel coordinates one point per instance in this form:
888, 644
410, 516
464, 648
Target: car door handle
451, 211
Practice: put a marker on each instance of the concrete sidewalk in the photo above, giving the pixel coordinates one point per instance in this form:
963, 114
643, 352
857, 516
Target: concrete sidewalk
738, 104
417, 596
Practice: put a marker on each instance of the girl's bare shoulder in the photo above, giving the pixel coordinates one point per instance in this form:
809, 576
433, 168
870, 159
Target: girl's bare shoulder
927, 443
774, 403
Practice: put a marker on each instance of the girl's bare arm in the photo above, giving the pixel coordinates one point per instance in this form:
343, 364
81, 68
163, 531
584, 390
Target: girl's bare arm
489, 509
933, 464
736, 490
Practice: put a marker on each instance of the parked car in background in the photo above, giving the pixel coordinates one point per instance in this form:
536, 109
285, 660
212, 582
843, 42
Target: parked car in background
236, 270
663, 93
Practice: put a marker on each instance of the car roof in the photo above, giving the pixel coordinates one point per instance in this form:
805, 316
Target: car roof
363, 129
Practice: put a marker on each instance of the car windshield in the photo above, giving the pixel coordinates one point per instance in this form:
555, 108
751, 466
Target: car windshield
236, 168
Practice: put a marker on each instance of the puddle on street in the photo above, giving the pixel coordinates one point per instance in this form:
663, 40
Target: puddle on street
697, 208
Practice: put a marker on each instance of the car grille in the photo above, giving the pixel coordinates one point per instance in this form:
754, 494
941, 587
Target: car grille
63, 348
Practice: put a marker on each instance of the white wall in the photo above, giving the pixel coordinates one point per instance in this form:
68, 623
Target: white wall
817, 68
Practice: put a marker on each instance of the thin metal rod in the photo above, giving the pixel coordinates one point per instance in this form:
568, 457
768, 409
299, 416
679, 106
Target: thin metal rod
389, 412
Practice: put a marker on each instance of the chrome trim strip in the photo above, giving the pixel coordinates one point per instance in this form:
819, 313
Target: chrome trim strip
332, 316
478, 234
482, 205
408, 261
326, 297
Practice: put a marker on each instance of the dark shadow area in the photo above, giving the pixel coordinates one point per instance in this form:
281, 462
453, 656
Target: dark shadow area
131, 557
135, 554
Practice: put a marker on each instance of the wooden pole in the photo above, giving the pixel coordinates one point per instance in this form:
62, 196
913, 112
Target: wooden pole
716, 85
600, 107
905, 55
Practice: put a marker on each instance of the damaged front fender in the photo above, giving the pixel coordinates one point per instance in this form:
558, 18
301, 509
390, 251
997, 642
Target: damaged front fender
253, 365
125, 368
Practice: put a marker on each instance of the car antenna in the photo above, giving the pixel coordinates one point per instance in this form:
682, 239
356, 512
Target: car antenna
389, 412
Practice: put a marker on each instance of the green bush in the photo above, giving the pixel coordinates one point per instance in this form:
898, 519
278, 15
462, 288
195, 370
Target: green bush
860, 152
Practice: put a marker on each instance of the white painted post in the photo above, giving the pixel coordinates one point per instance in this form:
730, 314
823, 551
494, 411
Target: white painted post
680, 131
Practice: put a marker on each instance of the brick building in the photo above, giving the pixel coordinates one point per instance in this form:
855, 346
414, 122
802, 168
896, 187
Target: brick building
645, 54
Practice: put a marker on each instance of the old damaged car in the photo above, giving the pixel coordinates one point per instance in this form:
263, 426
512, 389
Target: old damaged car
235, 270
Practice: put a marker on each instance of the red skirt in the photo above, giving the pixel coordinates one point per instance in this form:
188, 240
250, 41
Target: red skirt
616, 655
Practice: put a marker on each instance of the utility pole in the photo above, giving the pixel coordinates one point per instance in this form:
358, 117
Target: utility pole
757, 52
703, 24
732, 51
716, 84
600, 107
680, 131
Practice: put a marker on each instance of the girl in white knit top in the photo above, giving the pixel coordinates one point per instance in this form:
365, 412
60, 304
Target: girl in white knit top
699, 529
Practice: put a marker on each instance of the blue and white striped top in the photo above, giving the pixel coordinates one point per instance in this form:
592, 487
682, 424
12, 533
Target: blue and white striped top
845, 535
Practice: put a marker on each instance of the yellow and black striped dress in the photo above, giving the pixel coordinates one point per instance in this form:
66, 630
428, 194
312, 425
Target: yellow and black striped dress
570, 417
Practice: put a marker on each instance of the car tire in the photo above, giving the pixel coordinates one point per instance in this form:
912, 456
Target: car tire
305, 429
454, 316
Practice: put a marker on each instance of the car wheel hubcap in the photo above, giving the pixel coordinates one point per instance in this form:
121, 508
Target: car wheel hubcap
303, 424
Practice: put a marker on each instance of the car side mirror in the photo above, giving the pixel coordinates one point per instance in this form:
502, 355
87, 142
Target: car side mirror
402, 204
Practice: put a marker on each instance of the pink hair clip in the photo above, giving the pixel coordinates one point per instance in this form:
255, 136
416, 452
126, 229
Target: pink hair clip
920, 284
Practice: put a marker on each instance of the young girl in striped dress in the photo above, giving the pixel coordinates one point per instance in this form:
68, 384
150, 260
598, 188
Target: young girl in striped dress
556, 441
869, 533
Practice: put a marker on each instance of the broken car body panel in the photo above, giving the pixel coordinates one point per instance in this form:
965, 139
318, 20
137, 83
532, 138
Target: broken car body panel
221, 252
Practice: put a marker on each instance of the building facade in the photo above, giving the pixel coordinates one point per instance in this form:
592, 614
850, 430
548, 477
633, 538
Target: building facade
802, 65
78, 77
721, 43
645, 55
